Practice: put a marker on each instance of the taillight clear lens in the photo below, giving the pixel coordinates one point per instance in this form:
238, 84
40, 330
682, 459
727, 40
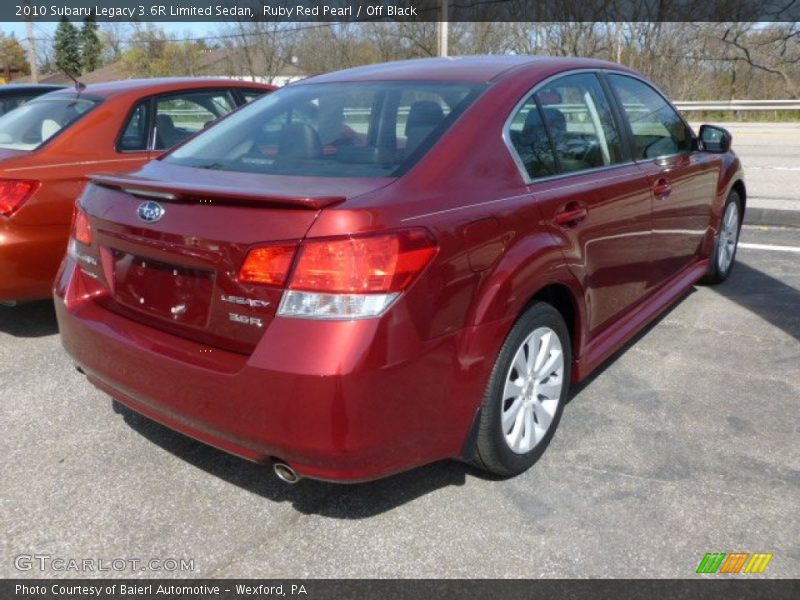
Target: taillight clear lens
13, 193
81, 227
267, 265
355, 277
313, 305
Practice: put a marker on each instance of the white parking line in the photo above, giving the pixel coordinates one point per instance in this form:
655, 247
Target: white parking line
766, 168
769, 247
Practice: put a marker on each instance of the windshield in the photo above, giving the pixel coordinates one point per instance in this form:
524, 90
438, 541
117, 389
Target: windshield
32, 124
357, 129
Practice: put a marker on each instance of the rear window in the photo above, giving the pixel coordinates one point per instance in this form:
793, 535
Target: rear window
9, 103
32, 124
356, 129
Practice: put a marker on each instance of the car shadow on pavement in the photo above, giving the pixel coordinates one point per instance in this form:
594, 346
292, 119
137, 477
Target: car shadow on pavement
337, 501
31, 319
769, 298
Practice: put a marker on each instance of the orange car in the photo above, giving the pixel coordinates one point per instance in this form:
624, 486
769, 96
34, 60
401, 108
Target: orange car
50, 145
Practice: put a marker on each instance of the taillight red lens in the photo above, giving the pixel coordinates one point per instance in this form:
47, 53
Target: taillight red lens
369, 264
13, 193
81, 227
267, 265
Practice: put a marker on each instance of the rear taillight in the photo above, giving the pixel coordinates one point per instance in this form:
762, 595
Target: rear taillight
13, 193
364, 265
342, 278
267, 265
81, 227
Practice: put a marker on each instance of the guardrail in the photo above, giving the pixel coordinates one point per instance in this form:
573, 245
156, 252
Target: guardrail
685, 106
738, 105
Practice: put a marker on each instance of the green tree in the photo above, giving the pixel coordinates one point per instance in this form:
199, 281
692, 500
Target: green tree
91, 48
152, 54
12, 54
67, 48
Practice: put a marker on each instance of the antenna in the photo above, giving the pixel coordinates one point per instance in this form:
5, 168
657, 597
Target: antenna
79, 86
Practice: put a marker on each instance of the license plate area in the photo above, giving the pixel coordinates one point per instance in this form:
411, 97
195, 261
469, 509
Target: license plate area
177, 294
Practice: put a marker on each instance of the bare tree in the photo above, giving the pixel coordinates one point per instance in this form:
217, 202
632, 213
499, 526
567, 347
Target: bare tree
112, 37
773, 49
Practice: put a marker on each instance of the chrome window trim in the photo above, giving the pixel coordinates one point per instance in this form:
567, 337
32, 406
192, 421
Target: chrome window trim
506, 133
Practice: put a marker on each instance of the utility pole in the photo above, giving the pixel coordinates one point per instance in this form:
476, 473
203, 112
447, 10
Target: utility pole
32, 51
442, 45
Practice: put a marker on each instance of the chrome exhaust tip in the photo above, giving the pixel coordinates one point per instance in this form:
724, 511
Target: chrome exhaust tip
285, 473
9, 303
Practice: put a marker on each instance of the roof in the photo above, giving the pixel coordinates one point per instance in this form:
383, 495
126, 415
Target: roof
157, 85
477, 69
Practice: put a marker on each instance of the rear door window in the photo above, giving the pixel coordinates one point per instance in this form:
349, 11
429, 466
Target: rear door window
657, 128
580, 123
566, 126
531, 142
9, 103
136, 133
179, 116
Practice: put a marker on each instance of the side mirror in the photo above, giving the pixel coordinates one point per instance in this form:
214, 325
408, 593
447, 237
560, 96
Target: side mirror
715, 139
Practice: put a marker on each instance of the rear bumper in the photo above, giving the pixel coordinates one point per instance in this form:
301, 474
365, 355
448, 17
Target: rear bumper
342, 401
29, 258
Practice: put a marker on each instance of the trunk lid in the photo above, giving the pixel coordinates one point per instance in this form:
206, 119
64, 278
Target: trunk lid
179, 272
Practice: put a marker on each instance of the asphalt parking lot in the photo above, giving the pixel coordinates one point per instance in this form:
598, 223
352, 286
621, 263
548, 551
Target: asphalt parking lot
685, 443
769, 153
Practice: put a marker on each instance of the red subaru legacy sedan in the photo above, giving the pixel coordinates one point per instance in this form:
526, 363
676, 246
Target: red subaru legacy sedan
49, 145
387, 266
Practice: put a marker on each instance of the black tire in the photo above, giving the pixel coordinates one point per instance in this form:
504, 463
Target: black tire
718, 273
494, 454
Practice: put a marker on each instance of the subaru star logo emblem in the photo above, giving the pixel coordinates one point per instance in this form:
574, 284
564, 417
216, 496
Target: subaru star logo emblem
150, 211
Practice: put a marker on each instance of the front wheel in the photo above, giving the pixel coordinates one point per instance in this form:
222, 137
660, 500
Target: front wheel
526, 393
726, 241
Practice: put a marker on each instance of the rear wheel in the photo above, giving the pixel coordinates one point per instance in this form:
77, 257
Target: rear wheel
726, 241
526, 393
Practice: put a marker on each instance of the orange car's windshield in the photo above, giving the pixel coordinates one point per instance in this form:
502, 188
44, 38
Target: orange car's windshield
32, 124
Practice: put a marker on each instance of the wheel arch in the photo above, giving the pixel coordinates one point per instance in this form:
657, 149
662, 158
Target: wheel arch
561, 297
542, 278
739, 187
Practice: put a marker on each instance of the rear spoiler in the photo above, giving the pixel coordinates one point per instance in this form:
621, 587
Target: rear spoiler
188, 192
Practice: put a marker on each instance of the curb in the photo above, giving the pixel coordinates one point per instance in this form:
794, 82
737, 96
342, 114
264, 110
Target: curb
774, 217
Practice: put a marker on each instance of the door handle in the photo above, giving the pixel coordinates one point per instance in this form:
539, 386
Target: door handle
571, 215
662, 188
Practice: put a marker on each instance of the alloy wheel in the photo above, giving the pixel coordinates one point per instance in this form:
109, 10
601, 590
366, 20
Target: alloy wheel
728, 236
532, 390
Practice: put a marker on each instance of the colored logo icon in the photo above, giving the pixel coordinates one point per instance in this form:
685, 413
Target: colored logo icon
735, 562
